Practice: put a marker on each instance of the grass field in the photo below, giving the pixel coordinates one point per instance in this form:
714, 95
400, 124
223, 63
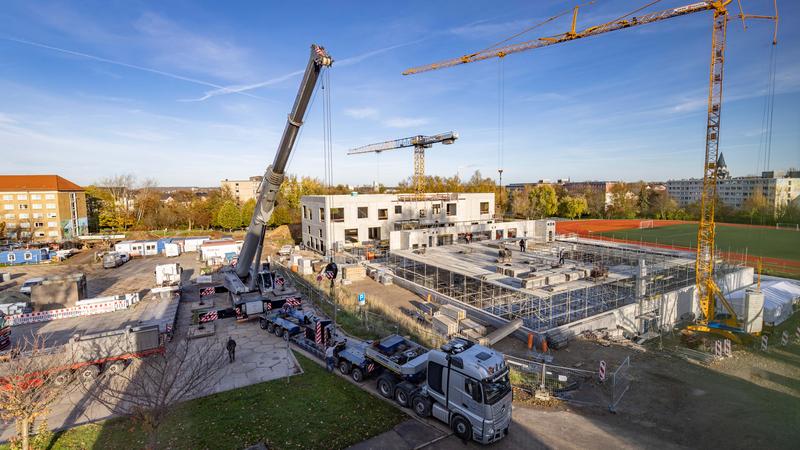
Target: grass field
315, 410
755, 241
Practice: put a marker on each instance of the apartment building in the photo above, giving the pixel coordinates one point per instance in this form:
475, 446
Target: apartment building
42, 208
242, 190
777, 187
351, 219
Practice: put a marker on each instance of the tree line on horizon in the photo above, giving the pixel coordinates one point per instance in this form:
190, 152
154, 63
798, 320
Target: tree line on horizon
121, 203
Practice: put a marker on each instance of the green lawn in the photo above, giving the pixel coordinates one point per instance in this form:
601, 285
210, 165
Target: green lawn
314, 410
757, 241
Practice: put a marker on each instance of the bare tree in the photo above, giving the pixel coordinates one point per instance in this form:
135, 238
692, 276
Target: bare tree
151, 387
29, 385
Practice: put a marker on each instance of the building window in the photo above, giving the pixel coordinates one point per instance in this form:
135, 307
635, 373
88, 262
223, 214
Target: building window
39, 234
24, 225
52, 224
337, 214
437, 209
10, 216
484, 207
22, 206
451, 209
38, 224
23, 216
363, 212
27, 256
8, 197
37, 216
53, 233
22, 197
319, 232
36, 206
398, 209
304, 211
12, 257
374, 233
51, 215
322, 214
309, 229
421, 213
351, 235
36, 197
49, 196
383, 214
8, 207
51, 206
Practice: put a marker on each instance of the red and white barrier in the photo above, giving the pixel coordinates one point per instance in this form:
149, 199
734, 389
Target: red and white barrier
85, 307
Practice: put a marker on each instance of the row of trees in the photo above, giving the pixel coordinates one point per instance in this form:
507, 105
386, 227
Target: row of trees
121, 203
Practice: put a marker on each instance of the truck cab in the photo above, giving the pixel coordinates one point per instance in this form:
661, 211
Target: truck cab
467, 387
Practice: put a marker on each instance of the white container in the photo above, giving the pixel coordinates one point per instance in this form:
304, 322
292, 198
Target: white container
753, 311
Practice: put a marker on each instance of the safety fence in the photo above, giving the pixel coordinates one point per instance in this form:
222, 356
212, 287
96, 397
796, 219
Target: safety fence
620, 382
558, 381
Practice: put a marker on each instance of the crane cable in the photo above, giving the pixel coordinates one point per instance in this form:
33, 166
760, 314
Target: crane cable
328, 152
765, 140
501, 108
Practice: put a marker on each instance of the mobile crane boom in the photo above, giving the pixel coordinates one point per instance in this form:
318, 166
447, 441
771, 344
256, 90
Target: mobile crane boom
273, 177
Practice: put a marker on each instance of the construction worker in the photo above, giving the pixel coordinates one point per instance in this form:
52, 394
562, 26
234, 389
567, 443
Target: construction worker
329, 360
231, 346
522, 245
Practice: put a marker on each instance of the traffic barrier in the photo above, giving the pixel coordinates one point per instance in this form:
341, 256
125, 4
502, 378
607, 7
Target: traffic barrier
85, 307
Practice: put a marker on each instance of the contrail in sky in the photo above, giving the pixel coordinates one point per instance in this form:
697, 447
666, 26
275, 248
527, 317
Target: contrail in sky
240, 89
124, 64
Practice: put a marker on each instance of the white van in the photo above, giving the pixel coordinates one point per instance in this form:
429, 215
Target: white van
26, 286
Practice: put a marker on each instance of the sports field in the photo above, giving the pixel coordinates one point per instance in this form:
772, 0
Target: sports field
755, 241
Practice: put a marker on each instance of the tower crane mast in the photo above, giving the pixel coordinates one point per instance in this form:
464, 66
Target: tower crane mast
420, 143
707, 289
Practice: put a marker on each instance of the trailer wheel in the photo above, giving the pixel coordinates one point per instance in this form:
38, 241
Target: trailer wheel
462, 428
401, 397
263, 323
278, 331
344, 367
357, 374
62, 379
421, 406
270, 327
89, 373
386, 387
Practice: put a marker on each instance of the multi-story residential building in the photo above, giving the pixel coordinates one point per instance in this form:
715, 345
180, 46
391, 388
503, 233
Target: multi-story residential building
348, 219
777, 187
42, 208
242, 190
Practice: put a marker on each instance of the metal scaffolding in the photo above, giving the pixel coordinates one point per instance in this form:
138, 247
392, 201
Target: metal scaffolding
636, 275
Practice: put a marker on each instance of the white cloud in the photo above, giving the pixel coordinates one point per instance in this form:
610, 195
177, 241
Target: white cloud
242, 89
405, 122
361, 113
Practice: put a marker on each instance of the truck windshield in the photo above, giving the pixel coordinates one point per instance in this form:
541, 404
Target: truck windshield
496, 388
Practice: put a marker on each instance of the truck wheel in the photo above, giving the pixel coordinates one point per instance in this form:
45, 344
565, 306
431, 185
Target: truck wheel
386, 387
462, 428
62, 378
401, 397
115, 368
286, 335
421, 406
278, 331
344, 367
89, 372
263, 323
357, 374
270, 328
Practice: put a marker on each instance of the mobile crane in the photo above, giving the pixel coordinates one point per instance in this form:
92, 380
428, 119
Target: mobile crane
708, 292
251, 284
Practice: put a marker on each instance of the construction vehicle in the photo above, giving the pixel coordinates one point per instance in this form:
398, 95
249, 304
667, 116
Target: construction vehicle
251, 284
85, 356
168, 275
420, 143
709, 293
462, 384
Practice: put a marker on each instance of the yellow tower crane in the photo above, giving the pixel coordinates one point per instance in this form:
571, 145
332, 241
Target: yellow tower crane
420, 143
707, 289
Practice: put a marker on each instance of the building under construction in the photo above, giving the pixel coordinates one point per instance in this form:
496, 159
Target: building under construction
565, 286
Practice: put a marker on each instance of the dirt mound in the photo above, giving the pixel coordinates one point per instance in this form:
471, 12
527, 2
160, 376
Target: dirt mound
281, 233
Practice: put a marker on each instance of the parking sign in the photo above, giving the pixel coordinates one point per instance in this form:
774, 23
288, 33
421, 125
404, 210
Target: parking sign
362, 299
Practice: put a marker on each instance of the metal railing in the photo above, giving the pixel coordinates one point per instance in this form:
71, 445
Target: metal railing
620, 383
532, 376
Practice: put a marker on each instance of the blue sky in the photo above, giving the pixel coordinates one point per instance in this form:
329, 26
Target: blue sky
192, 92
